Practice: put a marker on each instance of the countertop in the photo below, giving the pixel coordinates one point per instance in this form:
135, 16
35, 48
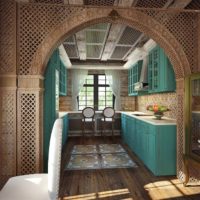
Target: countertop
149, 119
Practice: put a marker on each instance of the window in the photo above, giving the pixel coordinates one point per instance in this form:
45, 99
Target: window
96, 93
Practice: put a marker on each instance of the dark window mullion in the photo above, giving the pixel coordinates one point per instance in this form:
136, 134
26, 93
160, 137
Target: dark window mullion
96, 90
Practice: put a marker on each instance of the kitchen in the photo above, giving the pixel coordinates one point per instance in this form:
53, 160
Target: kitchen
25, 102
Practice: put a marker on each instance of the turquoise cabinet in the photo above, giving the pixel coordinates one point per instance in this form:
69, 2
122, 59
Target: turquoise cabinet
155, 145
65, 129
134, 77
53, 74
62, 80
161, 77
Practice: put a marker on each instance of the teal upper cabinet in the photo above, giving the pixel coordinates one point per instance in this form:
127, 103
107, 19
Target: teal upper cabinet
161, 76
63, 80
55, 85
134, 77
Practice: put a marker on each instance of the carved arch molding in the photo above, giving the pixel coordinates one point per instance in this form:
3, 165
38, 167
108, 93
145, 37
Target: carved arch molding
42, 27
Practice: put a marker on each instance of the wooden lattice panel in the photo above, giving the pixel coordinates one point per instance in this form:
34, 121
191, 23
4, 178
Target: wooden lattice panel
99, 3
7, 134
27, 137
195, 4
184, 27
35, 22
151, 3
180, 136
38, 21
47, 1
7, 36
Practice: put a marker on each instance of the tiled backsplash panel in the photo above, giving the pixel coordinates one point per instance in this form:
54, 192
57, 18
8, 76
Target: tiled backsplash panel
166, 99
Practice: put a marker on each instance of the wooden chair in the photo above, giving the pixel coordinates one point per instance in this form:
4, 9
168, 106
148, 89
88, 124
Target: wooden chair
108, 118
88, 118
39, 186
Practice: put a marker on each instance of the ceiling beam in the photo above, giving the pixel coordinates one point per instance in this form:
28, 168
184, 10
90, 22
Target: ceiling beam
126, 56
81, 44
74, 2
115, 31
180, 3
127, 3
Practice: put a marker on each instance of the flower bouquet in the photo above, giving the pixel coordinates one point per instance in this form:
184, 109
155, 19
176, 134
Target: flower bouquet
158, 110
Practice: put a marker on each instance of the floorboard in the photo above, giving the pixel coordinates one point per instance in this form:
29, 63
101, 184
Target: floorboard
118, 184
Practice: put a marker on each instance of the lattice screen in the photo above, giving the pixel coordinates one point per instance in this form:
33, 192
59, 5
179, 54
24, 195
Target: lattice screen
27, 133
180, 137
7, 135
99, 3
194, 4
151, 4
184, 27
7, 36
47, 1
36, 21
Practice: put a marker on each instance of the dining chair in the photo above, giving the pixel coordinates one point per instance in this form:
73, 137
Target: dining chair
39, 186
88, 118
108, 118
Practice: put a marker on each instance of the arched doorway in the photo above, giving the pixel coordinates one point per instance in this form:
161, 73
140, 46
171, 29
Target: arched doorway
132, 18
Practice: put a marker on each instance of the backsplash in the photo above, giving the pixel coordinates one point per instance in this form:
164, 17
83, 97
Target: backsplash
166, 99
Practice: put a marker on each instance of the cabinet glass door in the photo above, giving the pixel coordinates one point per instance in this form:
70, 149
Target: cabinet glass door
195, 116
156, 69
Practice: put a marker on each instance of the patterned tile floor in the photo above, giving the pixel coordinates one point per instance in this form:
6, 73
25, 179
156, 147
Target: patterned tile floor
98, 157
84, 149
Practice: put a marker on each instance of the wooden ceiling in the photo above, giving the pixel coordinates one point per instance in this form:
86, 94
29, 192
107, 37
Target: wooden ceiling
112, 42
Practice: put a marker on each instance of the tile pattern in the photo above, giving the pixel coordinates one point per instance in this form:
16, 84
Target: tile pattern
87, 161
84, 149
111, 148
118, 160
168, 99
103, 156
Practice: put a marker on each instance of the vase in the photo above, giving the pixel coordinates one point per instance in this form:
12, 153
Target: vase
158, 115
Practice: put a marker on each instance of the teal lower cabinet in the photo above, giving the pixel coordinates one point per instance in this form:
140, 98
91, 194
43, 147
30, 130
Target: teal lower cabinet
65, 129
155, 145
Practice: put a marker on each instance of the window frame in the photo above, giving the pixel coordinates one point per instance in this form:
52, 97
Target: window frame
96, 86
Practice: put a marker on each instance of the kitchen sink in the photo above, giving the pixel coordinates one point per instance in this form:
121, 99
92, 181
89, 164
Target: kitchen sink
137, 113
142, 114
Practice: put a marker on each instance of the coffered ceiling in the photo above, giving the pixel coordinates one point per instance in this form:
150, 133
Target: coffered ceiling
112, 42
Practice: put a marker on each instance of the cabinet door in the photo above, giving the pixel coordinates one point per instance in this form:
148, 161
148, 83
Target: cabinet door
150, 71
151, 148
161, 76
139, 141
129, 81
129, 131
156, 71
63, 80
124, 132
153, 70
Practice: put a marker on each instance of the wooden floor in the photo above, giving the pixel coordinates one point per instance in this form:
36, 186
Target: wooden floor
118, 184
